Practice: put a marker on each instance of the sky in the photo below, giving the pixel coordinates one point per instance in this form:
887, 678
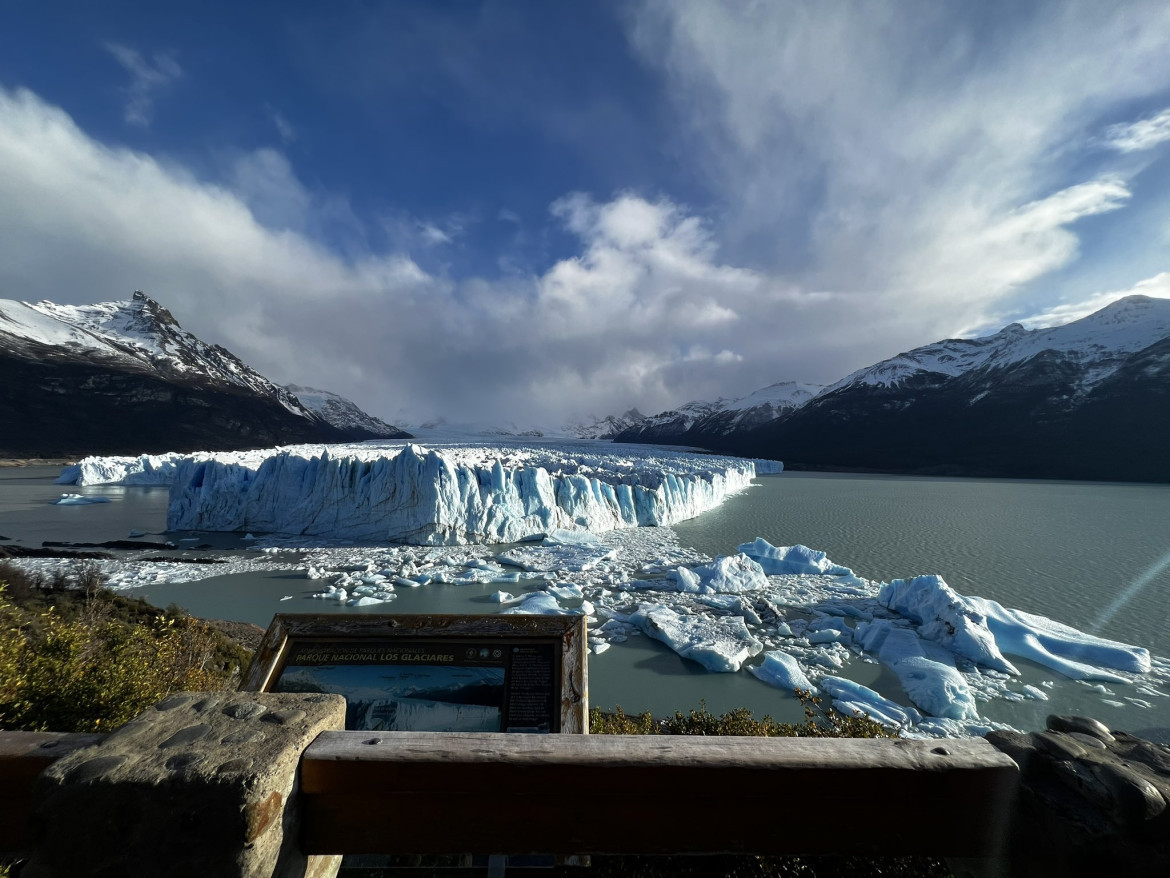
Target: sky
522, 212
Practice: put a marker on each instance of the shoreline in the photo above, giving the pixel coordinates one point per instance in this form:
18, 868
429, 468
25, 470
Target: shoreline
36, 461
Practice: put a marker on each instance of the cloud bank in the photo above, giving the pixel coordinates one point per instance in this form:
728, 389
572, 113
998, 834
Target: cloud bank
875, 180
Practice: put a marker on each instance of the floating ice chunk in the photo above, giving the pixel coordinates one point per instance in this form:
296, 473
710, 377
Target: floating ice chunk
1066, 650
733, 604
503, 597
827, 630
931, 681
946, 618
549, 557
733, 574
538, 603
850, 697
370, 600
1035, 694
781, 670
782, 560
566, 591
983, 630
78, 500
720, 644
580, 538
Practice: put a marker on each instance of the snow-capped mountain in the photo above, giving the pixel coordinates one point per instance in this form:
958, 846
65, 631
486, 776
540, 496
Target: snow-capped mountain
1098, 345
344, 414
135, 335
699, 422
1090, 399
602, 428
124, 377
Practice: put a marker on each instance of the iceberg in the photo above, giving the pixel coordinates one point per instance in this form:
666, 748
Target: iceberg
538, 603
733, 574
927, 674
146, 469
781, 670
457, 496
850, 697
77, 500
982, 630
947, 618
718, 644
784, 560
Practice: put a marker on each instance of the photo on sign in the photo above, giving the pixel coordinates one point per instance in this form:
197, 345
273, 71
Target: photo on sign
407, 698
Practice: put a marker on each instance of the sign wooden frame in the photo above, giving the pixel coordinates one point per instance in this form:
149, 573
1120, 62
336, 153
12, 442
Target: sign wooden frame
365, 640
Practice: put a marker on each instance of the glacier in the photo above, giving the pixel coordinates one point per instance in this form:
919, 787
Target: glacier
787, 614
454, 496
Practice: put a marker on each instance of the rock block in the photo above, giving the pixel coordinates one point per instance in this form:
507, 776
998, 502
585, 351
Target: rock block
201, 784
1092, 801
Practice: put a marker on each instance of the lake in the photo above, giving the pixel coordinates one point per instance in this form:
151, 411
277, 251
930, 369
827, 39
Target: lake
1092, 555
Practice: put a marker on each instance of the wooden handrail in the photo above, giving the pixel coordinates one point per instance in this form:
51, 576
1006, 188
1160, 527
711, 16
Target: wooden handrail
422, 793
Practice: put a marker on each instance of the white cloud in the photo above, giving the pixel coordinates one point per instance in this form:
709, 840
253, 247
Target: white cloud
644, 313
1143, 134
904, 153
1157, 287
147, 78
284, 128
432, 234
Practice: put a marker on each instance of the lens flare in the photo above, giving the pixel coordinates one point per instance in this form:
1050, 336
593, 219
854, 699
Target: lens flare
1129, 594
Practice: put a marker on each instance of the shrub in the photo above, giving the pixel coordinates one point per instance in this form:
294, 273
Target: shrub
76, 658
819, 722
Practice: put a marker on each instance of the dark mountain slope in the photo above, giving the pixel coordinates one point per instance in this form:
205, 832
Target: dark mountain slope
124, 378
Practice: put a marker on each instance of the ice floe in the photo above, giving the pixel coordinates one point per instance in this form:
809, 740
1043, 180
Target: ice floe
718, 644
982, 630
781, 670
78, 500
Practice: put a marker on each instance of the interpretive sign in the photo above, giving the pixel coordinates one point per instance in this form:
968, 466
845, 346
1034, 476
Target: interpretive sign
433, 673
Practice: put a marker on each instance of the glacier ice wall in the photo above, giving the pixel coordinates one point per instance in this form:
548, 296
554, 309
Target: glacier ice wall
456, 496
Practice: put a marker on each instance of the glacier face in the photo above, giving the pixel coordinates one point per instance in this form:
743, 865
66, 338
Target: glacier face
459, 495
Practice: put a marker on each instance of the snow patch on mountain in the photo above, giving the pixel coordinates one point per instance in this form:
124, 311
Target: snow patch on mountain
137, 334
1098, 343
343, 413
593, 427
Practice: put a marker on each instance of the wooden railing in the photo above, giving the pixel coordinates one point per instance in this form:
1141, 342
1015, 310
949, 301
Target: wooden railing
420, 793
576, 794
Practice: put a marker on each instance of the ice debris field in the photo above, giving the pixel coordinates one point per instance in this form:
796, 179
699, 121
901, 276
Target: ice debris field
786, 614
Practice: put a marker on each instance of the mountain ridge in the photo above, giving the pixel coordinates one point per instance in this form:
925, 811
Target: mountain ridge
1088, 399
124, 377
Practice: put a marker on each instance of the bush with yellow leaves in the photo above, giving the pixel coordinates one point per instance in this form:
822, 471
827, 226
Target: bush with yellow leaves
83, 660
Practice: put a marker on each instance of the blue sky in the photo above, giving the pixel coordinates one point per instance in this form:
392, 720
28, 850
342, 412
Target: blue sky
517, 212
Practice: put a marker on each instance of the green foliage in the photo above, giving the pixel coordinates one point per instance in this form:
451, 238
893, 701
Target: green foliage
76, 658
819, 722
